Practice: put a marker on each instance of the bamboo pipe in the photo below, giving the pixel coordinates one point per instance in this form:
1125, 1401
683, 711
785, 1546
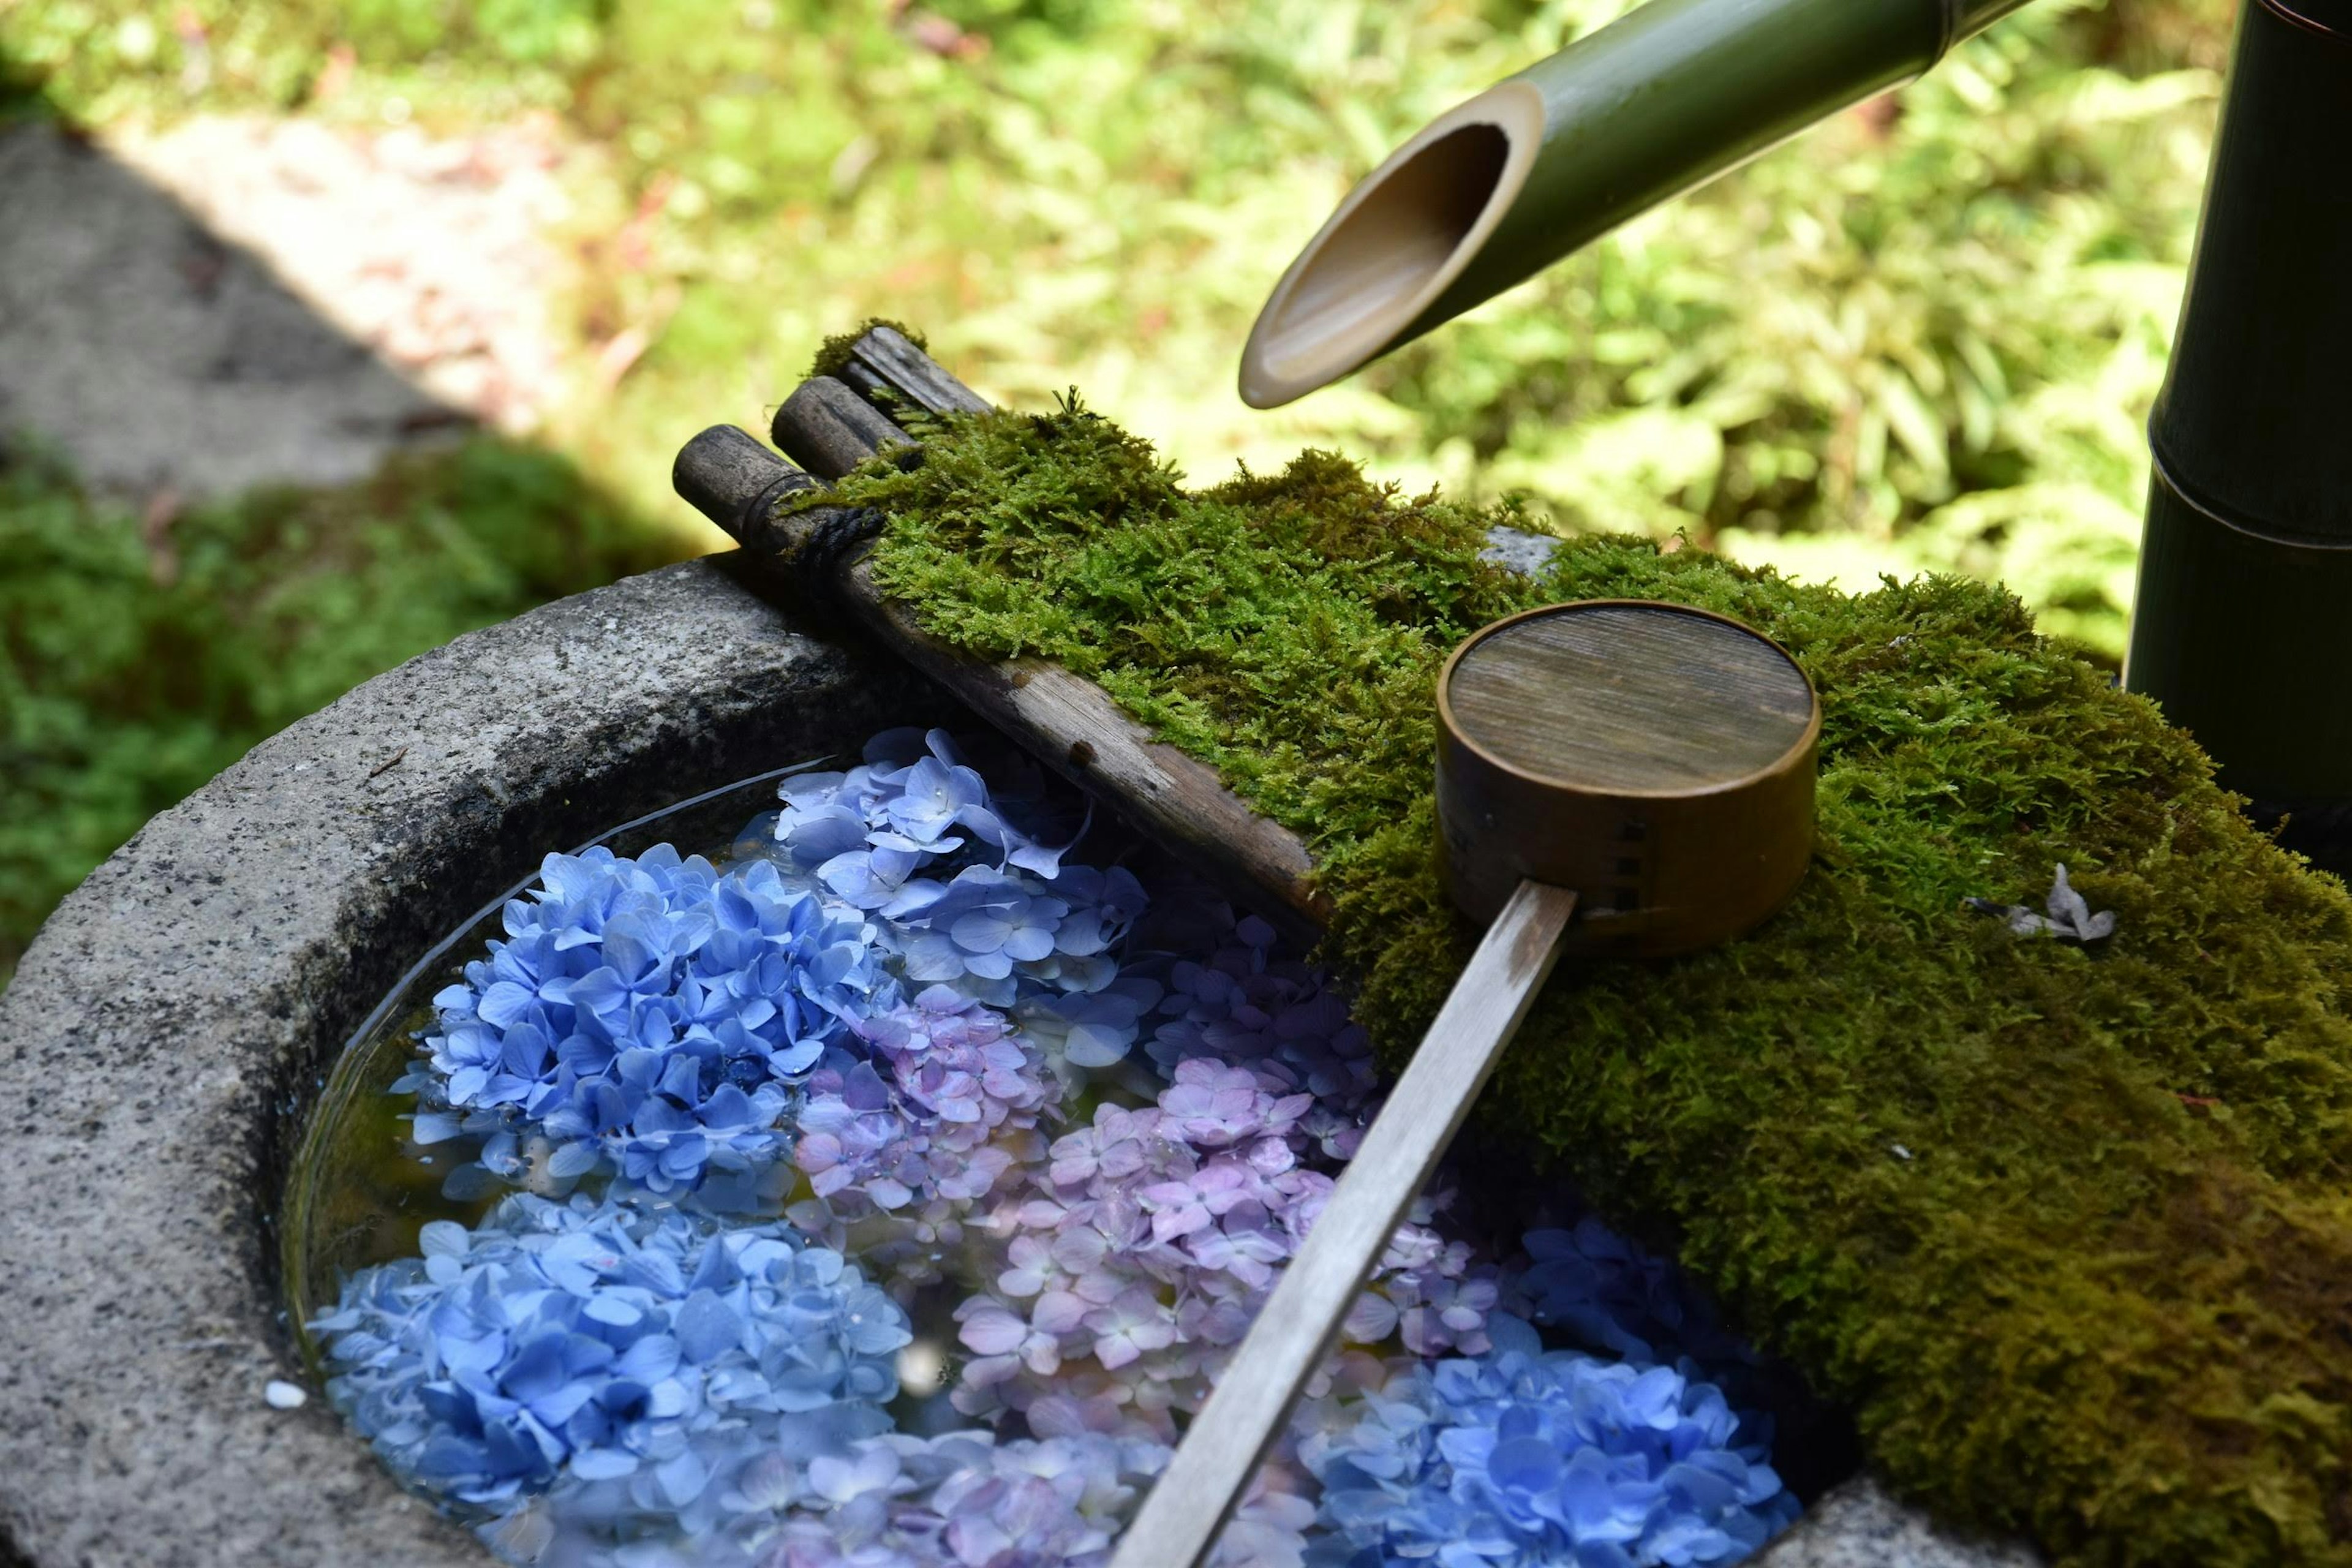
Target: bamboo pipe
1496, 190
2239, 627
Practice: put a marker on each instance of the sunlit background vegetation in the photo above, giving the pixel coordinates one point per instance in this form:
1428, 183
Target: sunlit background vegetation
1924, 338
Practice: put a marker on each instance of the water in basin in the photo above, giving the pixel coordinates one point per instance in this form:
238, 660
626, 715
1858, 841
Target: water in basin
875, 1166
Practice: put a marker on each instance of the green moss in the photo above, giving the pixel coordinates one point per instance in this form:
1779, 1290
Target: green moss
833, 354
2068, 1230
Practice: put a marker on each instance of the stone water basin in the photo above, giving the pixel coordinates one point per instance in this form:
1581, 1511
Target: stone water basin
176, 1028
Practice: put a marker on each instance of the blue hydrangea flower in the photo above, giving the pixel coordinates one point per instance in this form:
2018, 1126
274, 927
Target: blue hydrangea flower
914, 838
650, 1016
1529, 1458
594, 1349
1093, 1028
1609, 1294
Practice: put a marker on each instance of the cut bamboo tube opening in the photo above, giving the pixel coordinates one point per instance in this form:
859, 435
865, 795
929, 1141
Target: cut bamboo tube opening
1491, 192
1393, 246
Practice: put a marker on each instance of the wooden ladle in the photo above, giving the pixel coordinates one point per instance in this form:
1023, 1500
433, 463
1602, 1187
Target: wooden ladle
1649, 765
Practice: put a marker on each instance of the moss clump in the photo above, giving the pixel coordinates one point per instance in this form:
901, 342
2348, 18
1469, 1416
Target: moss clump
2069, 1231
833, 354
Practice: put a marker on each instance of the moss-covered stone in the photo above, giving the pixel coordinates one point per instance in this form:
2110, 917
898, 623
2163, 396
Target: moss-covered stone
2069, 1231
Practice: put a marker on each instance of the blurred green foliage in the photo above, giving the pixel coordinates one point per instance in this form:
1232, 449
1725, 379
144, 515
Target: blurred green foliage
1926, 335
141, 653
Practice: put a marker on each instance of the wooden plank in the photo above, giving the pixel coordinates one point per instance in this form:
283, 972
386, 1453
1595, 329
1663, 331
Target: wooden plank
1066, 722
1223, 1447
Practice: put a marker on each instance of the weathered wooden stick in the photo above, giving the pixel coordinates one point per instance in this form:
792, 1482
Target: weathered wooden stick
1065, 720
1187, 1505
829, 429
885, 361
868, 385
730, 478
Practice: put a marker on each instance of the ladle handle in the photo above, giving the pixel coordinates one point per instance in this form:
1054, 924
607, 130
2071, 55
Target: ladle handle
1187, 1506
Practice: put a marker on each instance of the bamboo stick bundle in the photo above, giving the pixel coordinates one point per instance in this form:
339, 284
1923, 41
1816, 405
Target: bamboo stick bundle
828, 426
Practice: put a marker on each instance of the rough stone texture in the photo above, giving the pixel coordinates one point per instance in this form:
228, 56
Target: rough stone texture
161, 1042
1857, 1525
158, 1044
1518, 549
434, 252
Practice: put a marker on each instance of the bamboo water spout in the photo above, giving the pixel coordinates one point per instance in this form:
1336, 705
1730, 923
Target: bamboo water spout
1499, 188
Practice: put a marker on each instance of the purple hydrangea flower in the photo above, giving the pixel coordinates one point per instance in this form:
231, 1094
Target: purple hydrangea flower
1242, 1004
1152, 1236
944, 1104
970, 1500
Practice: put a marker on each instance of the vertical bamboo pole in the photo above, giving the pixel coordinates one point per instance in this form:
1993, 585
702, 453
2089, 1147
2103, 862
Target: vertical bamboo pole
2241, 627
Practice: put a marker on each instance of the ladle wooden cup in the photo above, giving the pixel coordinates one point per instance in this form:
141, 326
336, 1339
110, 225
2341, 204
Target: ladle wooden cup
1613, 776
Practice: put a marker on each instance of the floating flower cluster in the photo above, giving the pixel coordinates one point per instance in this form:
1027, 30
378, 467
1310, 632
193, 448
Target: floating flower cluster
599, 1346
942, 1107
913, 837
936, 1107
880, 1023
1608, 1294
1535, 1459
650, 1016
971, 1499
1148, 1242
1241, 1004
